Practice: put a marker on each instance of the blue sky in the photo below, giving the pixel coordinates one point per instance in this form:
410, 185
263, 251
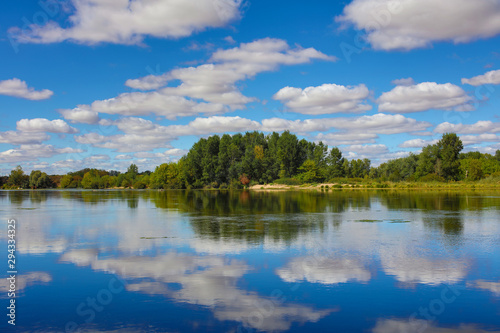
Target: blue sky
99, 83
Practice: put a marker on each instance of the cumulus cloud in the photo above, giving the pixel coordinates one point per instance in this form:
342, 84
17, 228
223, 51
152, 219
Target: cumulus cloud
491, 77
30, 152
78, 115
379, 124
338, 139
417, 143
365, 150
424, 96
324, 270
209, 88
19, 138
17, 88
142, 135
482, 126
165, 155
325, 99
477, 139
45, 125
410, 24
125, 22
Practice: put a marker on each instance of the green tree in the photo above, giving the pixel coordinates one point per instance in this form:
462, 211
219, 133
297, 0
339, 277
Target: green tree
66, 181
17, 178
91, 179
449, 148
288, 154
426, 163
38, 179
335, 163
309, 172
132, 171
475, 171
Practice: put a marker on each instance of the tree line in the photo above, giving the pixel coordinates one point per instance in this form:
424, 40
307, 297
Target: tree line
240, 160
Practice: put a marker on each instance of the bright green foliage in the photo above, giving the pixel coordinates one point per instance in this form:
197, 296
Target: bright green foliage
91, 179
167, 176
309, 172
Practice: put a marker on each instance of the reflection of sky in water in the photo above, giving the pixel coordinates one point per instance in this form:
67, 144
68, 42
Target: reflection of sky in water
202, 261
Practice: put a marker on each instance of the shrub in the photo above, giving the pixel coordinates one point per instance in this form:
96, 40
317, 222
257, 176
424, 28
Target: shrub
432, 177
235, 185
288, 181
139, 185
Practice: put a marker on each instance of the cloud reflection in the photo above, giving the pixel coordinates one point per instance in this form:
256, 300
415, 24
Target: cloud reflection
205, 280
421, 326
324, 270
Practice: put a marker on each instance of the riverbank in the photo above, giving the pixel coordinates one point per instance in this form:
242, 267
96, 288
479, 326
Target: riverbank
382, 185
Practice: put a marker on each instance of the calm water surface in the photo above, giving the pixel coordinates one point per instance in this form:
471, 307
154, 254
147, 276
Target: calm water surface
196, 261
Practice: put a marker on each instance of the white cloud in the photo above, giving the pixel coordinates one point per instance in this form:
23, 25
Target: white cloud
325, 99
157, 102
207, 89
17, 88
45, 125
162, 156
30, 152
482, 126
491, 77
214, 82
424, 96
404, 82
365, 150
379, 124
19, 138
78, 115
123, 157
142, 135
125, 22
338, 139
477, 139
417, 143
410, 24
324, 270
